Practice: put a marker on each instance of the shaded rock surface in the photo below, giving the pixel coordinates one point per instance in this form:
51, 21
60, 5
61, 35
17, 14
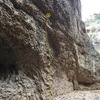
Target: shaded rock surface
42, 59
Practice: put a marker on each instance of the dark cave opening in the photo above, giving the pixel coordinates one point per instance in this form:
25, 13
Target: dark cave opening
7, 70
85, 84
8, 66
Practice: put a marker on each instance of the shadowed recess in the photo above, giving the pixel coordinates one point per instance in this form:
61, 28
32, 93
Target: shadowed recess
7, 60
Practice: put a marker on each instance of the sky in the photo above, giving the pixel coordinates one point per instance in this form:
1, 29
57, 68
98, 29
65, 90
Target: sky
89, 7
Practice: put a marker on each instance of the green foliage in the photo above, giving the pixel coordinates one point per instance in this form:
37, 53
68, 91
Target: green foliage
93, 29
98, 51
93, 19
97, 16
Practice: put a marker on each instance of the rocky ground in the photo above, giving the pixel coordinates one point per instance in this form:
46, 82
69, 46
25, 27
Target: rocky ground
80, 95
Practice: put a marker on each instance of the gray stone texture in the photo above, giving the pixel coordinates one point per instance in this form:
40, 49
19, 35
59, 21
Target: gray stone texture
52, 57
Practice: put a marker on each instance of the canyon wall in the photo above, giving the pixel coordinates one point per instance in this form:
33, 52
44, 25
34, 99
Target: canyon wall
42, 58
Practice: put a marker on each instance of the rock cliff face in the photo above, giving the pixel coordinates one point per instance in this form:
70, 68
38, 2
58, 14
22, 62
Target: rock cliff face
42, 59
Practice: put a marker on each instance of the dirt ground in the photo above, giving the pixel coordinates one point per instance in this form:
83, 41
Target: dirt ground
80, 95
